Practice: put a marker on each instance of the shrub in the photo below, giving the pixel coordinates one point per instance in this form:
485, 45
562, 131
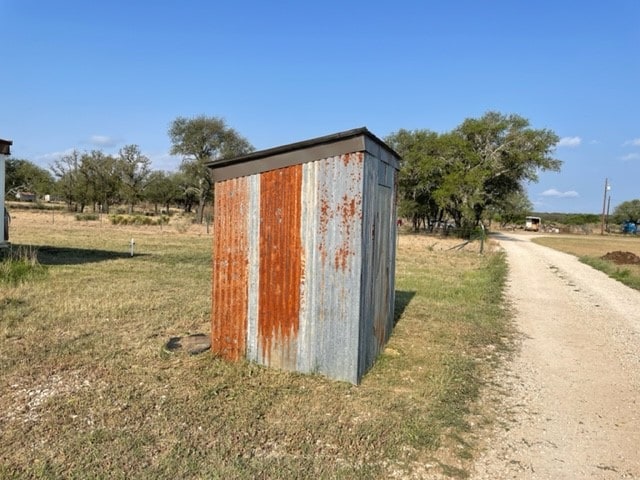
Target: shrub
138, 220
87, 216
115, 219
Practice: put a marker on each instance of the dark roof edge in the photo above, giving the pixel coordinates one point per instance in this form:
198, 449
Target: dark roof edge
5, 147
300, 146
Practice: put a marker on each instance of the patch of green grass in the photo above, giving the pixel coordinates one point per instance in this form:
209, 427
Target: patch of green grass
86, 392
20, 264
87, 217
623, 274
589, 250
119, 219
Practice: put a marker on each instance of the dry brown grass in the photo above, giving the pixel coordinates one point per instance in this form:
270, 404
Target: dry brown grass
86, 390
591, 245
590, 249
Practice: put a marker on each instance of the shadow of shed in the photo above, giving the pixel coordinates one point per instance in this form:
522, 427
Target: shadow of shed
304, 254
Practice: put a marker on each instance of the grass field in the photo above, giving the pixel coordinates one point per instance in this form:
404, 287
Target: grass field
590, 250
86, 390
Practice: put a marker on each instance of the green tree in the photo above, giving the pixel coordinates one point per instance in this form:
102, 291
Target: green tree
490, 158
511, 208
162, 189
200, 140
67, 171
88, 178
420, 174
100, 179
628, 211
24, 176
135, 169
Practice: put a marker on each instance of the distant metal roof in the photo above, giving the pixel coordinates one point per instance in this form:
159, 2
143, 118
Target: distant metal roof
356, 140
5, 147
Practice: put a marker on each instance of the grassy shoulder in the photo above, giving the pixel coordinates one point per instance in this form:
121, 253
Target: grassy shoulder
87, 392
591, 250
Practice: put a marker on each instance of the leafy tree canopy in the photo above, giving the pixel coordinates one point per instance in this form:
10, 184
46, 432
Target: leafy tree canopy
628, 211
24, 176
200, 140
478, 165
135, 169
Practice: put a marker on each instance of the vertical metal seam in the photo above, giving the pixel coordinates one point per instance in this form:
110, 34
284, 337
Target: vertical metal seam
253, 226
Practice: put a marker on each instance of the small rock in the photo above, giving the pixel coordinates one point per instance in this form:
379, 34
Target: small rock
192, 344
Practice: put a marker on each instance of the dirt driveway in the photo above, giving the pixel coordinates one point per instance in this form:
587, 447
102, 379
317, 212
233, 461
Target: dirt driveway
568, 403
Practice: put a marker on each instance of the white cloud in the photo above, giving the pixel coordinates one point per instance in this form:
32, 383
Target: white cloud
570, 142
552, 192
632, 143
164, 161
631, 156
53, 156
102, 141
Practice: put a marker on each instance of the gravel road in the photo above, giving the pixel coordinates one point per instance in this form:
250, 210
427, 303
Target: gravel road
568, 402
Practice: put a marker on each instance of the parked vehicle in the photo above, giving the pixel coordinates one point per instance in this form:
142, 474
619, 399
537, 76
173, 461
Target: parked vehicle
532, 224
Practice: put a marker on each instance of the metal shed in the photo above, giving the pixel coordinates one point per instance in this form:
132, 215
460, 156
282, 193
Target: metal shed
304, 254
5, 151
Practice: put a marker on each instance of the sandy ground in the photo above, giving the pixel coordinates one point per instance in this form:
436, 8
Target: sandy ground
568, 402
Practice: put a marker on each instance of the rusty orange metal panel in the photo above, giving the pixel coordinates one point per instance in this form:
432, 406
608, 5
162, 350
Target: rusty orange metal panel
230, 269
281, 267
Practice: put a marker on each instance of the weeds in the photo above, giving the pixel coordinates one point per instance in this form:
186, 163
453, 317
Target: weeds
138, 220
87, 217
19, 265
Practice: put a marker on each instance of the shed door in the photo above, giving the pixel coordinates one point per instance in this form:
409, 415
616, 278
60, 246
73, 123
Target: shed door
381, 268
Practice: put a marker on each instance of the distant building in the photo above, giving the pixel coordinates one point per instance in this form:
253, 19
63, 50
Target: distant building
26, 196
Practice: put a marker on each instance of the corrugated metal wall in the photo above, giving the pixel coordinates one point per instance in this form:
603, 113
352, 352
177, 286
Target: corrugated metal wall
231, 268
332, 229
280, 270
303, 265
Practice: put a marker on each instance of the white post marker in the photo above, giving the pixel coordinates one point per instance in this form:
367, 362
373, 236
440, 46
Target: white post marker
131, 244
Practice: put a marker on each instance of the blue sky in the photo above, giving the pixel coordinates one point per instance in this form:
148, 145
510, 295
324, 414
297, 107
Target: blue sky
87, 75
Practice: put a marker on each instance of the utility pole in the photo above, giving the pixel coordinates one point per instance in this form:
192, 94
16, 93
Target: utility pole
604, 204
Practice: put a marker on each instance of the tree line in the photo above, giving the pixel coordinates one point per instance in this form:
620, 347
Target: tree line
475, 173
97, 181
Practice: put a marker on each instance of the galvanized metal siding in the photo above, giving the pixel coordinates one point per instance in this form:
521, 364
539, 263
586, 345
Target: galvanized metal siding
303, 265
230, 269
331, 230
280, 268
367, 292
253, 223
378, 250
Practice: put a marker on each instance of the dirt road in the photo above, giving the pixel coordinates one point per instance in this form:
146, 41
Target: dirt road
568, 403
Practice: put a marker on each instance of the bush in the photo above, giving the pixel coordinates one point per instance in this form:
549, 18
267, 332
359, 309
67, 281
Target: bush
138, 220
87, 216
35, 206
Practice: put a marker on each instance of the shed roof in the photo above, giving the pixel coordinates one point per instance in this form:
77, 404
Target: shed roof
5, 147
356, 140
